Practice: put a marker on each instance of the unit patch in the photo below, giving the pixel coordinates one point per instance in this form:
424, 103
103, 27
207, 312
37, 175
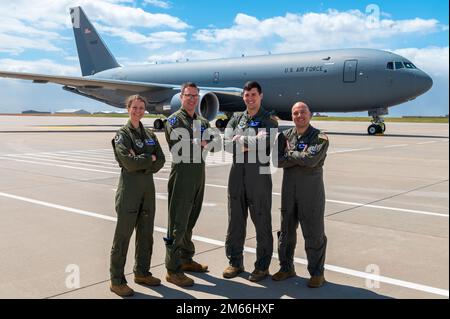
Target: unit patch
172, 120
118, 139
139, 143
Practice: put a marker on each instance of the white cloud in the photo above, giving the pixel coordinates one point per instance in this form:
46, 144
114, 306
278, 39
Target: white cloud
39, 25
123, 16
43, 66
54, 14
311, 31
153, 40
183, 56
16, 44
159, 4
433, 60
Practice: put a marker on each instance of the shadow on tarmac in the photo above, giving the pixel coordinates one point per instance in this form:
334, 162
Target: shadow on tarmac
295, 288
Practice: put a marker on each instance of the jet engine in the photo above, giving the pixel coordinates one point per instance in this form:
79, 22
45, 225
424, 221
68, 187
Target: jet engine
208, 104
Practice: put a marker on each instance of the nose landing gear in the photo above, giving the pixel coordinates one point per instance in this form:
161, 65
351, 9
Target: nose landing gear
378, 126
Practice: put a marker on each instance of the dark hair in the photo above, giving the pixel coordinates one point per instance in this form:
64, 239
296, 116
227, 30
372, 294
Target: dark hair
188, 85
133, 98
251, 85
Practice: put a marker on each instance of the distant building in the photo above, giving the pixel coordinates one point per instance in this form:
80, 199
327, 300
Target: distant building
34, 112
72, 111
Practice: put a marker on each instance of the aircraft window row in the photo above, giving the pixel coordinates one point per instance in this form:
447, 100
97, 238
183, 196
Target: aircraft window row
400, 65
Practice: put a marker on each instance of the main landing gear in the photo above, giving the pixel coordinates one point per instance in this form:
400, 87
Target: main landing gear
378, 126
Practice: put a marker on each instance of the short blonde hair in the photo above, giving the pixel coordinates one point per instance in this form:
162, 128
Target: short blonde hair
133, 98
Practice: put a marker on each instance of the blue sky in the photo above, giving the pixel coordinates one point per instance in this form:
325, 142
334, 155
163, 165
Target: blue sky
36, 36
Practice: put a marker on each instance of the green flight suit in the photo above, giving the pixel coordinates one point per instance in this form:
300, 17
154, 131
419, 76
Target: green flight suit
250, 186
186, 182
302, 196
135, 198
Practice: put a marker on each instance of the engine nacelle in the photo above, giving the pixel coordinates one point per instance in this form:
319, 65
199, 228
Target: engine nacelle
208, 105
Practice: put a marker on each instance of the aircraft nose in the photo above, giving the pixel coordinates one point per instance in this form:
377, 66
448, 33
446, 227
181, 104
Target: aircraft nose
423, 82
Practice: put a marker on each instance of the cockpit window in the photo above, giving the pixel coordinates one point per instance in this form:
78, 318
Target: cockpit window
409, 65
398, 65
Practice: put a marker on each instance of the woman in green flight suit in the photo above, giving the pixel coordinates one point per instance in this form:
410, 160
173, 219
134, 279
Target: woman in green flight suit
139, 154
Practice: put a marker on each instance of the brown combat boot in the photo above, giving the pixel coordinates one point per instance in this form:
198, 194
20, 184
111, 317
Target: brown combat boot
194, 267
231, 272
179, 279
148, 280
122, 290
258, 275
316, 281
283, 275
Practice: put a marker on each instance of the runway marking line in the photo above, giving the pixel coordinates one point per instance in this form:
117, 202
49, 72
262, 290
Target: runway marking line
225, 187
342, 270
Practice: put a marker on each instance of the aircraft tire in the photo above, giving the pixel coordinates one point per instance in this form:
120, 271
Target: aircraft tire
373, 129
220, 124
158, 124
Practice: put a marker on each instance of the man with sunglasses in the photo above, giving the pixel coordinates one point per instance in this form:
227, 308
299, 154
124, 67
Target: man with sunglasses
189, 137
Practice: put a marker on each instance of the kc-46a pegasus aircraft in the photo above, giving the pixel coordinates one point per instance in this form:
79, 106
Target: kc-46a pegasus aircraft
347, 80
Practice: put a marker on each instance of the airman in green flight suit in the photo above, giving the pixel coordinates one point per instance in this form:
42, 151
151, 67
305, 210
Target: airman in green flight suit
249, 136
139, 155
189, 137
301, 152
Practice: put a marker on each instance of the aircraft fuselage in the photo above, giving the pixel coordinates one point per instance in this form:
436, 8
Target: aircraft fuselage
344, 80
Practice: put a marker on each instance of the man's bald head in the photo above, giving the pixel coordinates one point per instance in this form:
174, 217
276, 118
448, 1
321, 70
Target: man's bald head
301, 105
301, 115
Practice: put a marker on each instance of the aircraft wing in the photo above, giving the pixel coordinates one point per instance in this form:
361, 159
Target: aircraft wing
98, 83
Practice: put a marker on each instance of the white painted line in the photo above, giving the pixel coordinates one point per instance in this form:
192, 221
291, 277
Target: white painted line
58, 165
352, 150
383, 207
74, 158
398, 145
82, 156
36, 157
71, 158
389, 208
60, 207
226, 187
428, 142
56, 152
342, 270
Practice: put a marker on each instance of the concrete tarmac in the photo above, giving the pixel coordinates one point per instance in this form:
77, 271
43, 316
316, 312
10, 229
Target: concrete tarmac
386, 215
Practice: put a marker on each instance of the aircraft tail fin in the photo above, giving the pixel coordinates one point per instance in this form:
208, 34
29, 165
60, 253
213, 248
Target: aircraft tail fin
93, 54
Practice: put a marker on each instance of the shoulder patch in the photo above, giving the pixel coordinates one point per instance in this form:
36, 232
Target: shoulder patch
118, 139
172, 120
323, 136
